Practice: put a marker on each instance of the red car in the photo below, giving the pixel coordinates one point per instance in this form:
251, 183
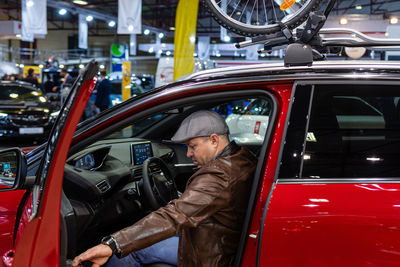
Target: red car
326, 190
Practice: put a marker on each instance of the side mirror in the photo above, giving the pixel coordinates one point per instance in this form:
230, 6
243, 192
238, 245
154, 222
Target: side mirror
13, 169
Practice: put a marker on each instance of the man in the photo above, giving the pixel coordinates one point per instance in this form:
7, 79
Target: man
67, 80
103, 92
209, 214
31, 78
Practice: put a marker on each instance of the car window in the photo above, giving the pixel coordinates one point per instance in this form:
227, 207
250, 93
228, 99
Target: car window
245, 128
353, 132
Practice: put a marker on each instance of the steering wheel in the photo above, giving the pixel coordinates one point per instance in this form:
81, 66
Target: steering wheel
158, 185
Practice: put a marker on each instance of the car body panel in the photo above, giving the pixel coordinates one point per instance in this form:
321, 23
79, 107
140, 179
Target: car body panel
41, 235
9, 202
331, 224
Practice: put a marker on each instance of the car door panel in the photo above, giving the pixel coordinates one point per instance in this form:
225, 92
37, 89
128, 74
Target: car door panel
39, 244
331, 224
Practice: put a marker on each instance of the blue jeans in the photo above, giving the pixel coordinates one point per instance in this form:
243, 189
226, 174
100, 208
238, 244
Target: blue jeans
165, 251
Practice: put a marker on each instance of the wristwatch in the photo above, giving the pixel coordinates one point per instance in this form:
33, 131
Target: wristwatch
112, 243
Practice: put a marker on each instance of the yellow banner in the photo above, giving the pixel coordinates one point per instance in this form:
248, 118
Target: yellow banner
185, 37
126, 80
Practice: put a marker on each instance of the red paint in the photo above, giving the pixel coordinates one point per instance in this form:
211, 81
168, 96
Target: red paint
333, 225
282, 94
41, 237
257, 127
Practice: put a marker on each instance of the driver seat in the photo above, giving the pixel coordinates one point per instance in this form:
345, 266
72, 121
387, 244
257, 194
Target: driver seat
158, 264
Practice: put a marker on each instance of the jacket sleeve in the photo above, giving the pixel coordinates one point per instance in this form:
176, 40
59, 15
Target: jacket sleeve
206, 194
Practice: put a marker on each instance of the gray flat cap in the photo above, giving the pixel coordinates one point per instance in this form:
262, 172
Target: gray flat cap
200, 123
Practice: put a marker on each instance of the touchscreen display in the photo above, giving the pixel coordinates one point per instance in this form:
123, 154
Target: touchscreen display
141, 152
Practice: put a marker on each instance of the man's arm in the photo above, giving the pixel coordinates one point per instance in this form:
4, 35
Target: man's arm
205, 195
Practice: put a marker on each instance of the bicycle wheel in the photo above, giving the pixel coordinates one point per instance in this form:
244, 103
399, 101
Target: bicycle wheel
257, 17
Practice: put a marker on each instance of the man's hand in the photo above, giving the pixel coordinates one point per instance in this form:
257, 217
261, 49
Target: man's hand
98, 255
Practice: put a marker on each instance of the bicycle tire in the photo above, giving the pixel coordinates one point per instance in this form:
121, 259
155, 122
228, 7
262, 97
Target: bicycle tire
252, 30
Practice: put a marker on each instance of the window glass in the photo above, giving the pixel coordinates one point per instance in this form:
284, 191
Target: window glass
247, 120
353, 132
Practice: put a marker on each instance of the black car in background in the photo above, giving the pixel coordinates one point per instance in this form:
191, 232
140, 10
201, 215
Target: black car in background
24, 111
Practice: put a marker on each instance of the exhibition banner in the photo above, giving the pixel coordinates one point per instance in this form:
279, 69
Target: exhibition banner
34, 18
185, 37
83, 32
129, 17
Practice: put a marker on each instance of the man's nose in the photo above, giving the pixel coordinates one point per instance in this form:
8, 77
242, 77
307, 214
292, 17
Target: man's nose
189, 153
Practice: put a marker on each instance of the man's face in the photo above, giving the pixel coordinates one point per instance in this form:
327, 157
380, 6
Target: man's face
201, 150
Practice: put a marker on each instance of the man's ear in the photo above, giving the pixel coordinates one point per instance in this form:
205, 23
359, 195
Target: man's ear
214, 138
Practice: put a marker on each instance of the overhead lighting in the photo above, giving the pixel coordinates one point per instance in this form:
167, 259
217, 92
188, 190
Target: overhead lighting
13, 95
89, 18
130, 28
81, 66
111, 23
21, 65
62, 11
146, 32
172, 28
227, 38
41, 66
192, 39
160, 35
343, 21
151, 49
358, 7
168, 53
101, 66
29, 3
61, 66
394, 20
18, 35
42, 99
79, 2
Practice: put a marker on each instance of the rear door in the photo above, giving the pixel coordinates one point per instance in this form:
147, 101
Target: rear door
336, 199
38, 242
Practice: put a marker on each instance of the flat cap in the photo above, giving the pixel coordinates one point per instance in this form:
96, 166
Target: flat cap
200, 123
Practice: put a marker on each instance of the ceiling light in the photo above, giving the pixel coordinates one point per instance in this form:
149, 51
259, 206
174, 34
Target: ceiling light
160, 35
18, 35
130, 28
168, 53
21, 65
62, 11
359, 7
151, 49
192, 39
89, 18
146, 32
394, 20
172, 28
111, 23
227, 38
343, 21
81, 66
79, 2
61, 66
41, 66
101, 66
29, 3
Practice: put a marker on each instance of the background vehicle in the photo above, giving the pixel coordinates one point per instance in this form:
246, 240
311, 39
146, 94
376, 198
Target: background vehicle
24, 111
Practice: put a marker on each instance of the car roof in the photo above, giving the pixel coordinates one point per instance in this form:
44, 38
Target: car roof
18, 83
319, 67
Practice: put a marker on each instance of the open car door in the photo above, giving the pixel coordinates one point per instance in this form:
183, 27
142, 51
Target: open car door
38, 236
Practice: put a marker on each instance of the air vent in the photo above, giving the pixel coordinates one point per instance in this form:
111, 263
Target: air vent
137, 173
103, 186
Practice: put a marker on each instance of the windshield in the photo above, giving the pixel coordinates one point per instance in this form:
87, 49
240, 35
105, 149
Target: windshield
14, 92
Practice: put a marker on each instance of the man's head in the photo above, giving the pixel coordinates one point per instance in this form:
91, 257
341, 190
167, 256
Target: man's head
63, 72
103, 74
30, 72
206, 135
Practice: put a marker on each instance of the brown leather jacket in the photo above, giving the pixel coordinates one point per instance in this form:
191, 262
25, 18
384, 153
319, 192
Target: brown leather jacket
208, 215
